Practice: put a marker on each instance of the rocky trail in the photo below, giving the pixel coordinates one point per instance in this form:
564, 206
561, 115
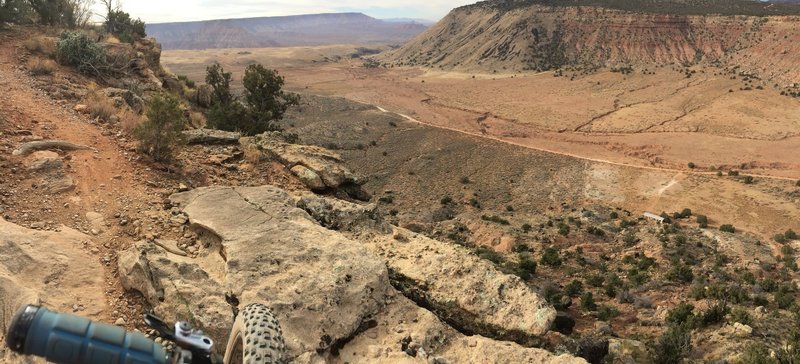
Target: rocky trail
81, 197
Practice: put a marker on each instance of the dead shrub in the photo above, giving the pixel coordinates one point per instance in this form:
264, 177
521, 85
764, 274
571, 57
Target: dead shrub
253, 154
43, 67
129, 121
98, 105
41, 45
197, 120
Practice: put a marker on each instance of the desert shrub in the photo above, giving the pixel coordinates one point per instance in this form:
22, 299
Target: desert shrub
768, 285
681, 273
784, 297
757, 353
80, 51
587, 302
525, 269
714, 314
510, 208
614, 215
673, 345
574, 288
122, 26
595, 280
464, 179
606, 312
741, 316
188, 82
474, 203
526, 227
691, 165
551, 257
683, 313
596, 231
162, 128
68, 13
790, 234
489, 254
495, 219
728, 228
748, 180
553, 295
797, 183
128, 121
563, 229
446, 200
733, 173
386, 199
702, 220
780, 238
40, 45
43, 67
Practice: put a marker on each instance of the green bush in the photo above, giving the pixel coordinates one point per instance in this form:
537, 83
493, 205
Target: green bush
526, 227
265, 102
495, 219
681, 273
490, 255
551, 257
122, 26
714, 314
80, 51
741, 316
790, 234
702, 220
162, 128
606, 312
673, 345
587, 302
728, 228
757, 353
614, 215
683, 313
526, 268
574, 288
446, 200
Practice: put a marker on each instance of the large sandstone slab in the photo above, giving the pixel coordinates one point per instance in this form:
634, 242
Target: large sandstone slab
50, 268
258, 247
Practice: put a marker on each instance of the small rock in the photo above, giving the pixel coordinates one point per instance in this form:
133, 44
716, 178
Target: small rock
183, 188
742, 330
37, 225
603, 328
120, 322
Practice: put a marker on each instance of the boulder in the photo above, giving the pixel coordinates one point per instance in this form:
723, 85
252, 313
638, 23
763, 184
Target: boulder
211, 136
34, 146
43, 161
628, 351
336, 214
407, 333
50, 268
256, 246
325, 163
475, 295
309, 178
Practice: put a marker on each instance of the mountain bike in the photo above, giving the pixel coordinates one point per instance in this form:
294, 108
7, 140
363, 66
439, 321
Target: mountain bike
255, 338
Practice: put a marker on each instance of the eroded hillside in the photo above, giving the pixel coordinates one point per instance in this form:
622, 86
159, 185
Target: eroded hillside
531, 37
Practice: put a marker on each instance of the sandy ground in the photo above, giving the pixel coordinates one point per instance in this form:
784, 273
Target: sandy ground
662, 120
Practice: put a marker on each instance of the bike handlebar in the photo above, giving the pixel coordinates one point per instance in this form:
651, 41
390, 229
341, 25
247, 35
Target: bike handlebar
68, 339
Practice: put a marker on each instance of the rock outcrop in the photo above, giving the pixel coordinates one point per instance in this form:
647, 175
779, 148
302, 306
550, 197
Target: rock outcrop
331, 290
49, 268
258, 247
211, 136
318, 168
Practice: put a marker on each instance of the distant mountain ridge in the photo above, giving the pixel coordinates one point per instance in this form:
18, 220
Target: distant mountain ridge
284, 31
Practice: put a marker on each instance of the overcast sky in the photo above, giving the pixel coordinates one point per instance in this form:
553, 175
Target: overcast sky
159, 11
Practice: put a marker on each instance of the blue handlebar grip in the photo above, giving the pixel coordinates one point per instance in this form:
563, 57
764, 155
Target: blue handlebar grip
68, 339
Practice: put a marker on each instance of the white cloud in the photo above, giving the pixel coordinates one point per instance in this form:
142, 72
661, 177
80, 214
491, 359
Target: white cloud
157, 11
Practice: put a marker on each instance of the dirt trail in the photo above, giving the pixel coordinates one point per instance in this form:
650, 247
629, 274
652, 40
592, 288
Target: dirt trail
577, 156
104, 177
